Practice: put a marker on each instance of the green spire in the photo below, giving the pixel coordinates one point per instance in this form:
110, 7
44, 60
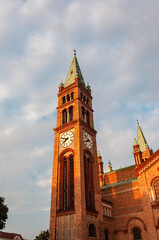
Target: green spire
99, 155
135, 141
73, 72
141, 139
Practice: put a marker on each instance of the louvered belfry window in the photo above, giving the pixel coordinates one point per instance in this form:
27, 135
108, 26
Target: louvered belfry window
89, 183
70, 113
66, 186
64, 116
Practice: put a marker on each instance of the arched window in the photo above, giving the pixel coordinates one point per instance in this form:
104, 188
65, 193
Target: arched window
71, 183
89, 183
68, 98
106, 234
137, 234
65, 184
66, 193
72, 95
64, 116
83, 113
156, 189
87, 118
92, 230
63, 100
71, 113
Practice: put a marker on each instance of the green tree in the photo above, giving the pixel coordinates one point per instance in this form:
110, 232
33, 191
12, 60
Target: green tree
3, 213
44, 235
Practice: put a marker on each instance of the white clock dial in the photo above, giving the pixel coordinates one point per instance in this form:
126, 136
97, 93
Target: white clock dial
87, 139
66, 139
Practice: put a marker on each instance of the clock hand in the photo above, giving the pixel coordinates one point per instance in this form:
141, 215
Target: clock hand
65, 140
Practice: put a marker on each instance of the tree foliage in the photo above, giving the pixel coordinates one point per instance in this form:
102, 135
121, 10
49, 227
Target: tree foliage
44, 235
3, 213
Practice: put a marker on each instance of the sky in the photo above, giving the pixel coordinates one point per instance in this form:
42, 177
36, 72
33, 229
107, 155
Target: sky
117, 45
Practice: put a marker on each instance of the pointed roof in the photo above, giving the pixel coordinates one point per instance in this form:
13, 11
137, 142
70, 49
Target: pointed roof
141, 139
135, 142
99, 155
73, 72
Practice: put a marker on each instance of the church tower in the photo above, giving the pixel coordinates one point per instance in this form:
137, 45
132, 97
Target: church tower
75, 200
141, 148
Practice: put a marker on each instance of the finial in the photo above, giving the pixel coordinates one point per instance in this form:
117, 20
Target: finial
109, 163
74, 52
137, 121
61, 83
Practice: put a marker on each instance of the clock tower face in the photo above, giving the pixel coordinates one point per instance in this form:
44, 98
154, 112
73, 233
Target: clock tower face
66, 139
87, 139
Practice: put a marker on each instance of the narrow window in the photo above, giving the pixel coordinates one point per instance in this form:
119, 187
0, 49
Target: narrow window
70, 114
64, 116
68, 98
137, 234
71, 183
66, 187
89, 183
83, 113
106, 234
87, 101
72, 95
88, 118
156, 189
92, 230
81, 96
84, 98
63, 100
65, 184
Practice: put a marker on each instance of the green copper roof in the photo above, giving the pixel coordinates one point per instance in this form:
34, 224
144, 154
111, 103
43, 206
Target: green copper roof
141, 139
73, 72
135, 141
99, 155
118, 184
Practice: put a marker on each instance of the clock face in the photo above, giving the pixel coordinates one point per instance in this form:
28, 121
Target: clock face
66, 139
87, 139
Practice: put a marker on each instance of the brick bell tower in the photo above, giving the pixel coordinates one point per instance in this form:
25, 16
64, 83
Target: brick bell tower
76, 200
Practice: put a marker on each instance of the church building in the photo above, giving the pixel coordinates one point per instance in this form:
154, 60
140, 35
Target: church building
87, 203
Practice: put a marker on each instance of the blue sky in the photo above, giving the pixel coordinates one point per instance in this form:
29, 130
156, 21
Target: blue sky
118, 51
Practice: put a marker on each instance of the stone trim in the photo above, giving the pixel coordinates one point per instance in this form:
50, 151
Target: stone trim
122, 191
122, 215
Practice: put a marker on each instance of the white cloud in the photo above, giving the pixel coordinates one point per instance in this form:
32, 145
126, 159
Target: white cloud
3, 92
